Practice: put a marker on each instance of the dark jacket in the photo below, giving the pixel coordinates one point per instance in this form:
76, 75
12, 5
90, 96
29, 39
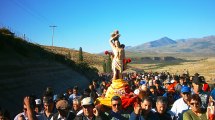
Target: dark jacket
117, 116
165, 116
150, 116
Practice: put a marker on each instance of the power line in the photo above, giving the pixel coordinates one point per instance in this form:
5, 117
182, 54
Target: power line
31, 11
31, 8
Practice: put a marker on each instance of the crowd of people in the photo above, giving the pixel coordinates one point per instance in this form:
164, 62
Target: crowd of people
160, 96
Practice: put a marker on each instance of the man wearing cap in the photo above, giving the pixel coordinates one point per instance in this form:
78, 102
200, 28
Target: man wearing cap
197, 89
181, 105
89, 110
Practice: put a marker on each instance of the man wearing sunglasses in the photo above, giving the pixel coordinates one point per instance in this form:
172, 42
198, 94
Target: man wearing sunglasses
117, 113
181, 105
196, 112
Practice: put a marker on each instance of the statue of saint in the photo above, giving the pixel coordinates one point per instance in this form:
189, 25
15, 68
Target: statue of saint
118, 55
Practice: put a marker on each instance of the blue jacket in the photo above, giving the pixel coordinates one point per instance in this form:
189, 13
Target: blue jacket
134, 116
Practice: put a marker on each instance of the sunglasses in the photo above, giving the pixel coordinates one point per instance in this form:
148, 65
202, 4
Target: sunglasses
116, 104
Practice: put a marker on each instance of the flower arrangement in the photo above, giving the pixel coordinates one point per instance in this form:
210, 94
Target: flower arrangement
128, 60
108, 53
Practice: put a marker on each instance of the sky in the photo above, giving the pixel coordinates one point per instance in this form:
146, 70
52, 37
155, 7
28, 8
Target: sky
89, 23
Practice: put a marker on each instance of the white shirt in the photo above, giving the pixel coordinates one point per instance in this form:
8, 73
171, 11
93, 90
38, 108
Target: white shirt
21, 114
39, 116
179, 107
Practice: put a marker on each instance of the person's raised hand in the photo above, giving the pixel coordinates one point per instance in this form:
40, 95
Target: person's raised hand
27, 101
137, 108
95, 112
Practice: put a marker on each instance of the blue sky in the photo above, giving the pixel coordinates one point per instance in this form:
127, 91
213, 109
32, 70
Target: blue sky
88, 23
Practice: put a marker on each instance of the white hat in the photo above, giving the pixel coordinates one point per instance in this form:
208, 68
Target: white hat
38, 101
172, 81
137, 91
87, 101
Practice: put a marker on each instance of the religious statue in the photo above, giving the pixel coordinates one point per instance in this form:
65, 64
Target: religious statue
118, 55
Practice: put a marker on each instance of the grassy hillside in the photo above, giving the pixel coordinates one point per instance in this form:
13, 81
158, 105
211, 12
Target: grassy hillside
92, 59
16, 47
27, 68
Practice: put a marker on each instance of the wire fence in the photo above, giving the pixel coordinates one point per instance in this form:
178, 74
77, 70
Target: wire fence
18, 34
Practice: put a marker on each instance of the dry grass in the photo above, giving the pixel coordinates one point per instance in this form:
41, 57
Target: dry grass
205, 67
92, 59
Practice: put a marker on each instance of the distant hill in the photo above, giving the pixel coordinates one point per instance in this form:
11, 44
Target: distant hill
153, 44
205, 45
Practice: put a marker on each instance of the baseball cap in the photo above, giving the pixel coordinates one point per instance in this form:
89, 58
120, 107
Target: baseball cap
185, 89
87, 101
142, 82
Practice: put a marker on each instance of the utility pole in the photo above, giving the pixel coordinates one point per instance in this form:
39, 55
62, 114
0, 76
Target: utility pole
53, 26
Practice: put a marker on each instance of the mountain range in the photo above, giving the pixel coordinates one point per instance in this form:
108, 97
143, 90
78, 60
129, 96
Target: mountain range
204, 45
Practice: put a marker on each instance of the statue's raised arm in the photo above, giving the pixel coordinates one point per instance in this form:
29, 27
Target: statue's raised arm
114, 36
119, 55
